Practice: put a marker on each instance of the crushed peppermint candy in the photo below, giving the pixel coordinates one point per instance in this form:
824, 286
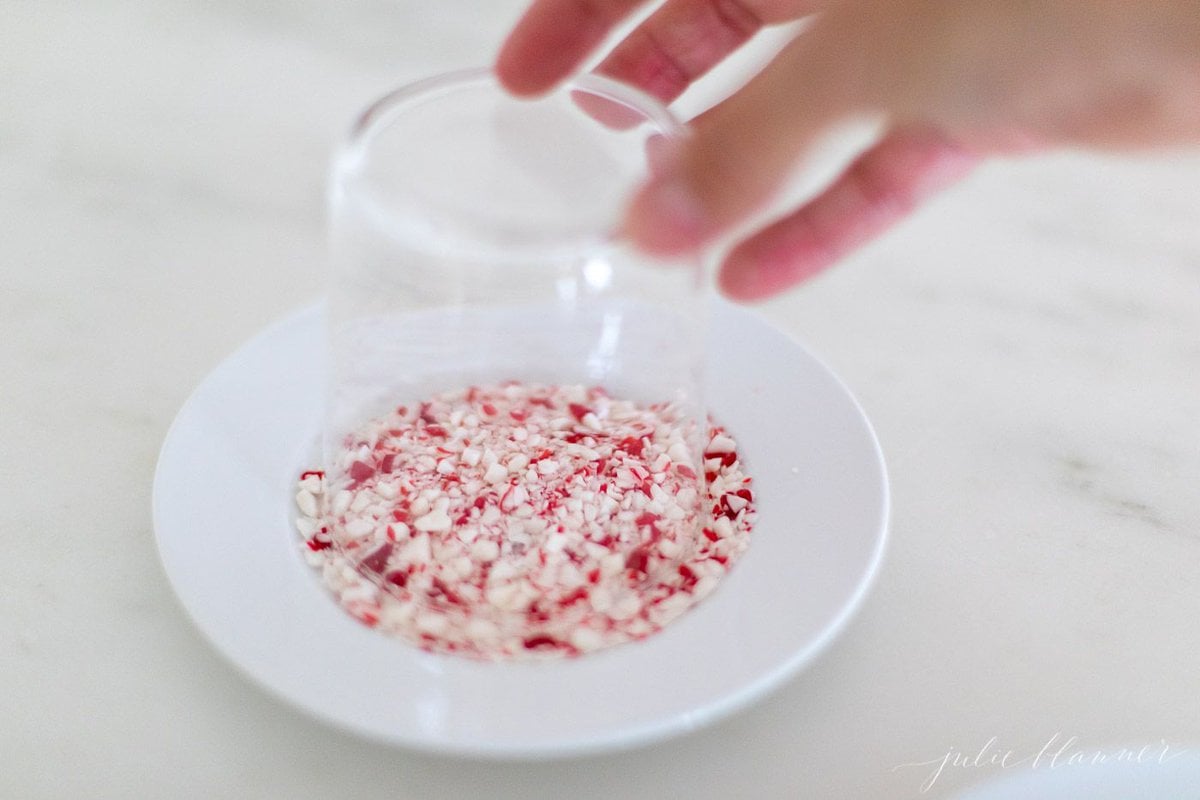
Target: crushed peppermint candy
526, 521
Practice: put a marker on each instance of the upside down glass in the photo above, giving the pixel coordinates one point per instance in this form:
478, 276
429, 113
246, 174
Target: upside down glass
476, 253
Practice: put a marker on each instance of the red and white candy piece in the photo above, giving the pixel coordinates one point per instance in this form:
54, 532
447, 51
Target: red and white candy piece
520, 521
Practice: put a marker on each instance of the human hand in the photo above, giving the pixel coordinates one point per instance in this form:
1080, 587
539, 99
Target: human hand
947, 81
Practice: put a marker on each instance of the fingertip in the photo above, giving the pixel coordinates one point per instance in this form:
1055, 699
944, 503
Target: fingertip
550, 41
784, 255
740, 279
731, 287
516, 75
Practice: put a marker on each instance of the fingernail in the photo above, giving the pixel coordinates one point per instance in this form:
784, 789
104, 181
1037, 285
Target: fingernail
666, 218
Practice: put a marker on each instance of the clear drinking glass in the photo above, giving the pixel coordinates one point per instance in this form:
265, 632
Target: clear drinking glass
475, 241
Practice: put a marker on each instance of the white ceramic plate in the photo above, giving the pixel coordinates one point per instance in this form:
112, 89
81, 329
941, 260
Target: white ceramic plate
222, 500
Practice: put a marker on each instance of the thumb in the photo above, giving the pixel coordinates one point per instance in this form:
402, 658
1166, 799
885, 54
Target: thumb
741, 151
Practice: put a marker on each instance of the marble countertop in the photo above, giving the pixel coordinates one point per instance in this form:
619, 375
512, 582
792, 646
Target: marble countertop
1028, 348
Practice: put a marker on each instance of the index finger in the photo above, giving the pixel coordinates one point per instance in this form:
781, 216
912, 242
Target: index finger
553, 38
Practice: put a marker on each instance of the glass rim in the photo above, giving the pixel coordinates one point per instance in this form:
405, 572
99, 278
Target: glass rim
377, 113
375, 119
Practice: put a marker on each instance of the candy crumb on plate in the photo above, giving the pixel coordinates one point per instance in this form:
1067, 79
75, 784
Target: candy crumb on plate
522, 521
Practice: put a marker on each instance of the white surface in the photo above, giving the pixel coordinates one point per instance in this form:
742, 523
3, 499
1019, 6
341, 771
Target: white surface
1121, 773
822, 516
1028, 348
